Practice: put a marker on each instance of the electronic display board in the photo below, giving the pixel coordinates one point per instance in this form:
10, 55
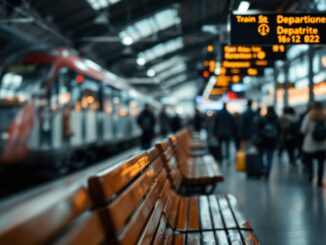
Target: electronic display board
242, 71
267, 29
255, 52
247, 64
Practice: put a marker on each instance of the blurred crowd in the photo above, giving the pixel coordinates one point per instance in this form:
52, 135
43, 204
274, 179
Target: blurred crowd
300, 136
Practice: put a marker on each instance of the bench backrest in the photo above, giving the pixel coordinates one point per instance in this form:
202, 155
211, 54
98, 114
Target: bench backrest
60, 216
128, 199
170, 162
180, 150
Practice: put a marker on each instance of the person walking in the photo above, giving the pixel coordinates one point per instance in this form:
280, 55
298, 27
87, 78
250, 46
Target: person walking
268, 132
197, 121
223, 129
289, 133
165, 122
247, 125
146, 121
313, 129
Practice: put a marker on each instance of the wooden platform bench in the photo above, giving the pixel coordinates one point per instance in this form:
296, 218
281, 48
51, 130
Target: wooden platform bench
137, 205
189, 174
61, 216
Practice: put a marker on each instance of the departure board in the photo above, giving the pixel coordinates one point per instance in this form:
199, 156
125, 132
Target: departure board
242, 71
267, 29
255, 52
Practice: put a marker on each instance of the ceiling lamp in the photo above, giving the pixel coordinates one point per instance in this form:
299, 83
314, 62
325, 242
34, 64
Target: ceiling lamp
151, 73
127, 41
141, 61
243, 7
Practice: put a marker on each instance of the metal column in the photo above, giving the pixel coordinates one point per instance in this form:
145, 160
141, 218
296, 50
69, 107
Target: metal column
311, 53
275, 75
286, 85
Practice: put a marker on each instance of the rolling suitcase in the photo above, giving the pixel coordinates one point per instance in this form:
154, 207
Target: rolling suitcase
240, 161
254, 166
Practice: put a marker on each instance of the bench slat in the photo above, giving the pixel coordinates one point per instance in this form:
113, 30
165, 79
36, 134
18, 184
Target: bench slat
180, 239
215, 209
159, 236
132, 231
107, 183
193, 217
208, 238
182, 217
240, 218
193, 238
205, 218
221, 237
121, 209
151, 226
249, 238
226, 212
234, 237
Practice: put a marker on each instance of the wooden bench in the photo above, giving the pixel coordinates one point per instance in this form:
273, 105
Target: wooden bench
61, 216
138, 206
190, 143
194, 173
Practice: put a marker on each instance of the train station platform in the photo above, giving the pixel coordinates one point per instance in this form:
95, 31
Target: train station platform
286, 209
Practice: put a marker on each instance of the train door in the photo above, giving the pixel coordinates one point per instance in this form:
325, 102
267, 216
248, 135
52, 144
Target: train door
116, 94
108, 130
90, 106
123, 114
59, 101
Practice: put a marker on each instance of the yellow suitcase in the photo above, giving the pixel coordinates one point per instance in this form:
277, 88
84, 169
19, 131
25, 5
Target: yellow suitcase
241, 161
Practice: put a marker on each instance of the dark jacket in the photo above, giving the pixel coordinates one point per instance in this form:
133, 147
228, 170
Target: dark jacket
247, 124
265, 125
146, 122
176, 124
223, 124
198, 122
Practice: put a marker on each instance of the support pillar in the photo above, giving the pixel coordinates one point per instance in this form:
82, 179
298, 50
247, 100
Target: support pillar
311, 53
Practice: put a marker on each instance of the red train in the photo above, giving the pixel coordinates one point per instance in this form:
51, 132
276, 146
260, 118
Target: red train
57, 110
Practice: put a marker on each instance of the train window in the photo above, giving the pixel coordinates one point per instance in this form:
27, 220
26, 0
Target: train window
60, 91
90, 95
123, 109
107, 102
116, 99
134, 107
20, 83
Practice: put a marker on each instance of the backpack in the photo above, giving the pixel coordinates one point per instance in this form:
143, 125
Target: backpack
269, 132
319, 132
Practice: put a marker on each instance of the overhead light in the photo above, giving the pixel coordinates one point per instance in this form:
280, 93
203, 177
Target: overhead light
243, 7
149, 26
141, 61
127, 41
151, 73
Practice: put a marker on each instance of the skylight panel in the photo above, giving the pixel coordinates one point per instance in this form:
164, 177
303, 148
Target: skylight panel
144, 28
152, 25
167, 18
161, 49
101, 4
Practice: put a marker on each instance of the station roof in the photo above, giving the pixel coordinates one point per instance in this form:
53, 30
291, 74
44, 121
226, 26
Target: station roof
128, 37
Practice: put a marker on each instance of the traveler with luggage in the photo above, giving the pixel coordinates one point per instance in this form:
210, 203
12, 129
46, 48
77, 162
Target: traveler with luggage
314, 143
267, 139
289, 132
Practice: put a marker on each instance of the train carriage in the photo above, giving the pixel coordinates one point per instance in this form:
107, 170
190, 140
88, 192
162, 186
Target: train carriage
58, 111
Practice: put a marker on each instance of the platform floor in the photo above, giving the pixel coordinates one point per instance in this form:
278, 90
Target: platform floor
286, 209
